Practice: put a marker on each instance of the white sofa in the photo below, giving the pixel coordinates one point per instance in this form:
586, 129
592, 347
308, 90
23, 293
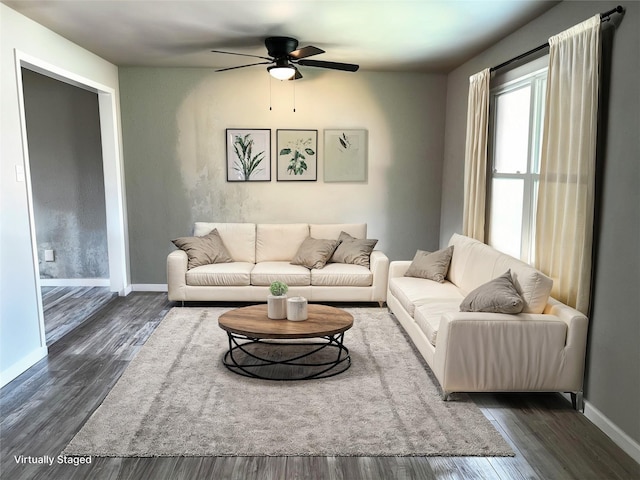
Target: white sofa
262, 254
542, 349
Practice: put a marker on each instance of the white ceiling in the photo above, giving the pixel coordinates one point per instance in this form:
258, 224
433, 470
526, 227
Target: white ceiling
415, 35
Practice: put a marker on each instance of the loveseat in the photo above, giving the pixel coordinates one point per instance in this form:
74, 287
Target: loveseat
262, 253
540, 349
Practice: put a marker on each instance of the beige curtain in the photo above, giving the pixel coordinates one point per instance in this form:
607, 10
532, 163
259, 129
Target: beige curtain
564, 219
475, 156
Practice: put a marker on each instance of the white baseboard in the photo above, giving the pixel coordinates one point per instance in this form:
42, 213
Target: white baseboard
22, 366
75, 282
620, 438
611, 430
150, 287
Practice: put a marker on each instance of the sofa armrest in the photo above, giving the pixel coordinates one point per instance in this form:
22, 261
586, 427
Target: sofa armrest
577, 324
379, 266
398, 268
177, 262
501, 352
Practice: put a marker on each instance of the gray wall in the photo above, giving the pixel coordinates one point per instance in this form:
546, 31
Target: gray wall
65, 152
612, 381
174, 123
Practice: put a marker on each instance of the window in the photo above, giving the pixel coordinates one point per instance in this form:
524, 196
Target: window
517, 112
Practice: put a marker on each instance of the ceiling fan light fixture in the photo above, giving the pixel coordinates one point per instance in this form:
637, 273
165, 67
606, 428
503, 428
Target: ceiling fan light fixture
282, 72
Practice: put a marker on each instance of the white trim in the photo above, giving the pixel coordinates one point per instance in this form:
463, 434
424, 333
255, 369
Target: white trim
75, 282
117, 228
22, 366
150, 287
620, 438
27, 177
610, 429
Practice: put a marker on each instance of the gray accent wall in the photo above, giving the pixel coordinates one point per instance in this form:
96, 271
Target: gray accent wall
612, 384
65, 152
174, 123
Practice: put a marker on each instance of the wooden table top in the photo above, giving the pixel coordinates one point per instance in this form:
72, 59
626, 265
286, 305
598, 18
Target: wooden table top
253, 322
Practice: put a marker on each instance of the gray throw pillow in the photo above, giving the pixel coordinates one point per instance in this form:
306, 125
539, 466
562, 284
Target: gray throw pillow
204, 250
352, 250
497, 296
314, 252
431, 265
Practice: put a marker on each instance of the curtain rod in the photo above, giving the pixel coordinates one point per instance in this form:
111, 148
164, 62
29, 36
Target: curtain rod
603, 18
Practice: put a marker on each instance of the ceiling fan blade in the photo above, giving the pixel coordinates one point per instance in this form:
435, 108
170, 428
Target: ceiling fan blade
306, 52
242, 66
297, 76
347, 67
242, 54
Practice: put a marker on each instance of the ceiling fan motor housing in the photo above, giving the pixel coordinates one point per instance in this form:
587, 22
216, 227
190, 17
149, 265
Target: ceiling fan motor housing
280, 47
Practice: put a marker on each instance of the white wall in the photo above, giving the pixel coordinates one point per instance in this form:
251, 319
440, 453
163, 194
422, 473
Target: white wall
21, 342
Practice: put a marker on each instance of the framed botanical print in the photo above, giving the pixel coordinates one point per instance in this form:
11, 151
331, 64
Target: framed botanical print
248, 155
297, 155
345, 155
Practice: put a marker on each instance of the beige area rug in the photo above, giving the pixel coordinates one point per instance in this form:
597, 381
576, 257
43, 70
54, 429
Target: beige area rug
176, 398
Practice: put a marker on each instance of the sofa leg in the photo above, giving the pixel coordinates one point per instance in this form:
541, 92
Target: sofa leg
381, 304
446, 396
577, 401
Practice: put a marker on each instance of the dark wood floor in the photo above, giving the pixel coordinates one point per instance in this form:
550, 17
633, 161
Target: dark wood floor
42, 410
65, 308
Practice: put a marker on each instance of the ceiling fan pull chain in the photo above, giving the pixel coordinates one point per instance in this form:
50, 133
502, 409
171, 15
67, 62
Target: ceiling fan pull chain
294, 98
270, 83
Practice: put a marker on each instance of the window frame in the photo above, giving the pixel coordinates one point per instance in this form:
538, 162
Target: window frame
536, 79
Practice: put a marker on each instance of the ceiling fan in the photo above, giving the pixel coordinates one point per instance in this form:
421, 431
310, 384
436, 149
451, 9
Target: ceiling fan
284, 56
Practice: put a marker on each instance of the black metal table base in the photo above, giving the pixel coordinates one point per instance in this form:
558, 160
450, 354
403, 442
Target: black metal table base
254, 360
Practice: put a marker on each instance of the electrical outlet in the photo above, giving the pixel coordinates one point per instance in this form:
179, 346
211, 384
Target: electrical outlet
49, 256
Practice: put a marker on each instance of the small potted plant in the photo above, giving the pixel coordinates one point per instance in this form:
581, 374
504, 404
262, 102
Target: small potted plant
277, 301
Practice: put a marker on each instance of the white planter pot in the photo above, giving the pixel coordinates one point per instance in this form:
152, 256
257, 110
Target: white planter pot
277, 307
297, 309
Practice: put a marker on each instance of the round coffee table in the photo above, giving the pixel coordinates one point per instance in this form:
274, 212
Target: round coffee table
253, 345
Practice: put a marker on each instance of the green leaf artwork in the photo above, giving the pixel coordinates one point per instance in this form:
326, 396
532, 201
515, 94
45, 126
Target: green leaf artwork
297, 149
344, 141
246, 164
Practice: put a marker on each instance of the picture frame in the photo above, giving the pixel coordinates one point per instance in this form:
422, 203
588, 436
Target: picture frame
345, 155
248, 154
297, 155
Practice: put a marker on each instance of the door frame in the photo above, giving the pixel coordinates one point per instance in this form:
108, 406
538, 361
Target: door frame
113, 170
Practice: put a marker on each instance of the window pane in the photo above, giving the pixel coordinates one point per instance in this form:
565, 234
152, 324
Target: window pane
512, 131
505, 232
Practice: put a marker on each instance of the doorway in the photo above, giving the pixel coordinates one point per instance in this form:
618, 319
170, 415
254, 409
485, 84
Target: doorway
66, 165
116, 280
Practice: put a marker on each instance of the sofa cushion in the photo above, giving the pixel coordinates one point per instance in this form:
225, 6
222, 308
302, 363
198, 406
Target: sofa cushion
412, 292
430, 265
293, 275
314, 252
343, 275
239, 238
333, 230
497, 296
203, 250
221, 274
353, 250
279, 242
428, 315
474, 263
